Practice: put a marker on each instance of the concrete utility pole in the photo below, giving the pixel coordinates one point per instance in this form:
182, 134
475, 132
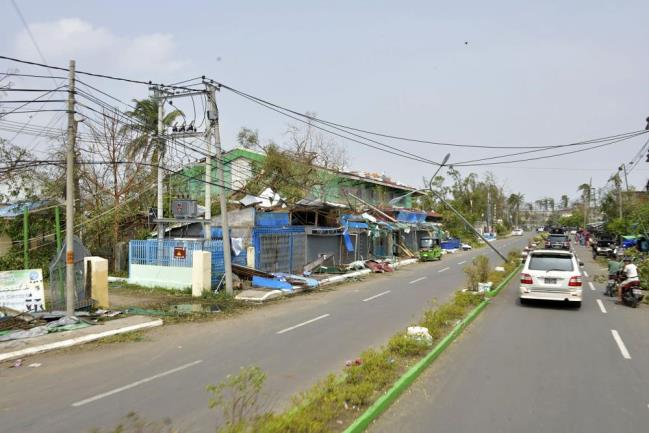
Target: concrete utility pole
70, 285
626, 179
159, 96
213, 117
207, 227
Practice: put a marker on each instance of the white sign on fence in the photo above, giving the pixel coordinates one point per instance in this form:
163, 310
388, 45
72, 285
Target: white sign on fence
22, 290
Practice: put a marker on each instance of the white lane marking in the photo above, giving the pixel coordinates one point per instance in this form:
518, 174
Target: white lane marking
585, 274
303, 323
417, 280
591, 285
601, 306
445, 269
134, 384
462, 262
376, 296
620, 344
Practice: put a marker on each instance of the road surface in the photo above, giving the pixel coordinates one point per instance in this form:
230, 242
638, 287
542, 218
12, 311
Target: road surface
537, 369
296, 342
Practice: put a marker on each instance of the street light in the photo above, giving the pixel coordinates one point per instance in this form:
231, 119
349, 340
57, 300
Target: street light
433, 192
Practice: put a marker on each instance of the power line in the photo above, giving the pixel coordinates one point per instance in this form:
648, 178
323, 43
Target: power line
540, 157
92, 74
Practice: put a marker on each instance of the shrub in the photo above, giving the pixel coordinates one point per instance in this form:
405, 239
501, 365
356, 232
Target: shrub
477, 272
405, 346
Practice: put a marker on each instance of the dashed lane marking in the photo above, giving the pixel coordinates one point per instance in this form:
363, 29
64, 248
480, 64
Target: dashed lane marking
601, 306
620, 344
303, 323
417, 280
376, 296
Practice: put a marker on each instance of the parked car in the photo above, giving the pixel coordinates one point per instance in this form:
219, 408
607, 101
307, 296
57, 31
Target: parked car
540, 229
557, 241
517, 232
551, 275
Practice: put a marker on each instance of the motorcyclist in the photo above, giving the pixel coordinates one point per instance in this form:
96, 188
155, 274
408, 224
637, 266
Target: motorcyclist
614, 267
630, 274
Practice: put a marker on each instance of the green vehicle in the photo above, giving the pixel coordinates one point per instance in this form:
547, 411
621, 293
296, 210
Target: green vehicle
429, 249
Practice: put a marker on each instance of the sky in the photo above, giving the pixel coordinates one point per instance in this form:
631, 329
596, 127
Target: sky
494, 73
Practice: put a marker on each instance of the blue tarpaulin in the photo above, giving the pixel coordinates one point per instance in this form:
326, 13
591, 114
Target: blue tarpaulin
271, 283
450, 244
348, 241
272, 219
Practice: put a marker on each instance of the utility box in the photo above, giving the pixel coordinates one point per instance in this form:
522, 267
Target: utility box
96, 284
182, 208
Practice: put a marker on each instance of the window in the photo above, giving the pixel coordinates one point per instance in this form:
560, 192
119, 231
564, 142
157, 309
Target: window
551, 262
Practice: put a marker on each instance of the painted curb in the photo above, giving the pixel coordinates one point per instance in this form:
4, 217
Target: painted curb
78, 340
383, 402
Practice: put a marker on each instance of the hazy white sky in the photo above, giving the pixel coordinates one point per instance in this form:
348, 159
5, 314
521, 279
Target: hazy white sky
548, 73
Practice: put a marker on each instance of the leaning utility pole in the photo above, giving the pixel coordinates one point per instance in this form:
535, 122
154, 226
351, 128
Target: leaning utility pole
159, 97
70, 285
213, 117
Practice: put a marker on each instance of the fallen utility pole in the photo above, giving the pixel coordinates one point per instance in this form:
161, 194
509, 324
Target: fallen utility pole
70, 285
213, 117
456, 212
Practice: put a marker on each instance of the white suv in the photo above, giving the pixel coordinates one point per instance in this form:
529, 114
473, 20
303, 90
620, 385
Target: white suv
551, 275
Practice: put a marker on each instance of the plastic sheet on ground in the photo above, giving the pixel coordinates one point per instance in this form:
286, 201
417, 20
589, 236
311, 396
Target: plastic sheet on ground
62, 324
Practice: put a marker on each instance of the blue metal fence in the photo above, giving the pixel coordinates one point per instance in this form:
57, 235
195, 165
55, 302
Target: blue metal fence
280, 249
161, 253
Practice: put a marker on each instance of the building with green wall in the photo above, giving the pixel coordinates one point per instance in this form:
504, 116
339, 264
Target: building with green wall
241, 164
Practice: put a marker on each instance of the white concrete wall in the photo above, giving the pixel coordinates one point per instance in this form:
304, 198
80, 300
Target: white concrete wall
168, 277
241, 172
201, 272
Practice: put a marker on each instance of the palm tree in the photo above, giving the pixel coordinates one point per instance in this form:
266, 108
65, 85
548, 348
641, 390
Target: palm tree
564, 201
145, 116
617, 182
514, 201
585, 197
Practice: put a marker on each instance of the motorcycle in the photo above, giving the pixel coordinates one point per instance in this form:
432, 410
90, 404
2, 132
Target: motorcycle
632, 294
611, 286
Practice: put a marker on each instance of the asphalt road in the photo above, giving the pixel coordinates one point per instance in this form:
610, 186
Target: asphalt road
537, 369
296, 342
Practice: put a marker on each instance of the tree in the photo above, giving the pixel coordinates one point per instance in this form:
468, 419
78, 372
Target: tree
247, 138
306, 139
585, 190
515, 201
564, 201
146, 142
109, 174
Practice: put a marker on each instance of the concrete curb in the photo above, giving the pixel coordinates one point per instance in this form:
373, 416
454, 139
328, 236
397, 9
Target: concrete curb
77, 340
383, 402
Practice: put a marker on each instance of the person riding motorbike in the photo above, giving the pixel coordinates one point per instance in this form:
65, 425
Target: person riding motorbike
630, 274
614, 268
